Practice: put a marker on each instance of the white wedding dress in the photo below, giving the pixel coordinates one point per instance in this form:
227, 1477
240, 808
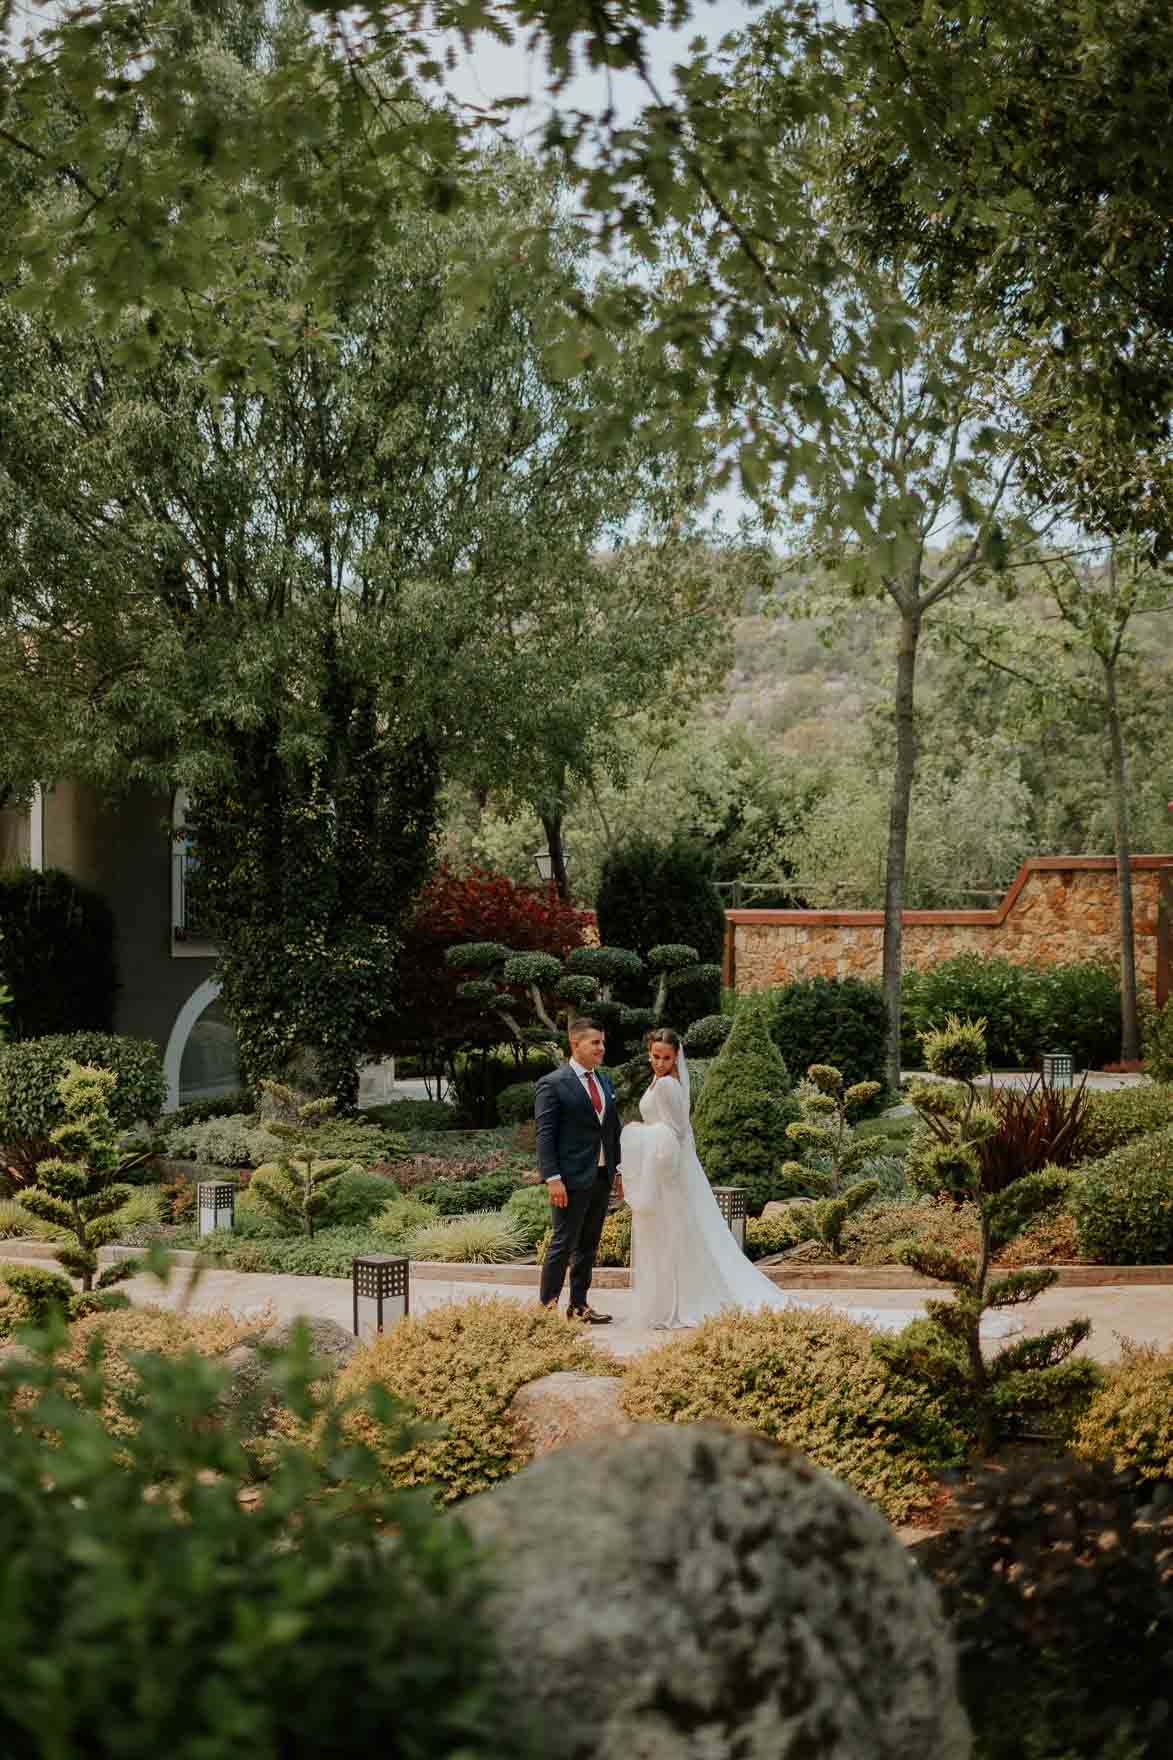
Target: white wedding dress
685, 1262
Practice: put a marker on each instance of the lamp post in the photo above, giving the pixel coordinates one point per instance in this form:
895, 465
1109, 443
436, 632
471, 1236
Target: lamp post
215, 1205
731, 1204
380, 1287
1058, 1069
545, 863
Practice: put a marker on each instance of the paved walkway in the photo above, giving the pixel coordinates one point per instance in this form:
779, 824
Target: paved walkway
1141, 1313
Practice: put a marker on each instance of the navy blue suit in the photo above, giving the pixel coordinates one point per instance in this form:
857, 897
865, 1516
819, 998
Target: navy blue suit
570, 1136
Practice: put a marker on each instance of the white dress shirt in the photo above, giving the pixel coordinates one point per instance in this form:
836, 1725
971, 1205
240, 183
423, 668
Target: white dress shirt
582, 1075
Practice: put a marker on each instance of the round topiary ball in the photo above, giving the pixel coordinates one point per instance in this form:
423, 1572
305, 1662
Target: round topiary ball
705, 1037
709, 1593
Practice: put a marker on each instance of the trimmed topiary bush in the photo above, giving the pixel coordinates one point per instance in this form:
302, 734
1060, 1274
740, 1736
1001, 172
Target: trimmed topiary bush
744, 1108
838, 1021
649, 891
415, 1115
30, 1105
29, 1293
356, 1197
458, 1369
57, 958
1122, 1115
516, 1103
706, 1036
1129, 1421
809, 1379
1123, 1204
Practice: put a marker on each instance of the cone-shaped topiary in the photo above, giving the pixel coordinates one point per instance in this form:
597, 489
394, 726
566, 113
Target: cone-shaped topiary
745, 1106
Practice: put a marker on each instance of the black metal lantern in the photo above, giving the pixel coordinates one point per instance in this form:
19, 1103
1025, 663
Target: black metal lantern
1058, 1069
732, 1205
215, 1205
380, 1285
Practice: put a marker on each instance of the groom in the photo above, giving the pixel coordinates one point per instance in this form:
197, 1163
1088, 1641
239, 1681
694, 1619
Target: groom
578, 1157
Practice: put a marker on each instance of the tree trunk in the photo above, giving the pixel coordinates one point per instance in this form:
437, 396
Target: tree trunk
552, 826
898, 829
1130, 1025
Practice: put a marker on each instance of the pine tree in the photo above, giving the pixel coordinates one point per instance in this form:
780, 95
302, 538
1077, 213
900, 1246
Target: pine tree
745, 1106
295, 1188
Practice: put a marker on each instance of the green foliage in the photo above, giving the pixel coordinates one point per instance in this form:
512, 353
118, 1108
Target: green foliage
1129, 1420
1122, 1115
81, 1190
295, 1190
823, 1134
1058, 1589
1028, 1009
16, 1223
837, 1021
220, 1606
809, 1379
30, 1101
28, 1294
399, 1218
1031, 1374
706, 1036
744, 1108
478, 1237
457, 1369
766, 1235
356, 1197
530, 1208
233, 1141
1158, 1043
58, 954
234, 1104
647, 887
1123, 1203
516, 1102
614, 1242
415, 1115
831, 1215
611, 964
457, 1197
328, 1252
5, 1004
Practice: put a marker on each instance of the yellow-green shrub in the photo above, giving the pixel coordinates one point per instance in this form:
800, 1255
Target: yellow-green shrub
773, 1234
1120, 1115
871, 1237
458, 1368
129, 1332
614, 1242
808, 1378
1130, 1419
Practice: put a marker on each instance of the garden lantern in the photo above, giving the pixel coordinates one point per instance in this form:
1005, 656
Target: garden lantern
731, 1204
215, 1205
1058, 1069
380, 1292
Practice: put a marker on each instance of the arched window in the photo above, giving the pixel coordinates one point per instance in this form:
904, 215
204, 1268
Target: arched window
187, 935
201, 1059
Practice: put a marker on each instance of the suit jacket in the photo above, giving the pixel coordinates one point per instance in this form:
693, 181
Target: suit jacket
569, 1131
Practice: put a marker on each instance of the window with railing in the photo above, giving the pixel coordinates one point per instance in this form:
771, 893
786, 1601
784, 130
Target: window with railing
187, 921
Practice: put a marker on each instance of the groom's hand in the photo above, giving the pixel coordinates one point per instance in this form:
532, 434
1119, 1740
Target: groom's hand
558, 1194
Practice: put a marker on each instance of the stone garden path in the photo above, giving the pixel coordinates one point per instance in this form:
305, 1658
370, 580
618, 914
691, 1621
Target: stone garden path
1139, 1312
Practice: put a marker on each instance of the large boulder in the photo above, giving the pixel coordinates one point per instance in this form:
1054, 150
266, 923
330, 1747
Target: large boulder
564, 1408
691, 1593
251, 1392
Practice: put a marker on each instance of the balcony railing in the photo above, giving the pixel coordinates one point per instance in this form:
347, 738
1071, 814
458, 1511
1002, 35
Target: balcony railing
186, 923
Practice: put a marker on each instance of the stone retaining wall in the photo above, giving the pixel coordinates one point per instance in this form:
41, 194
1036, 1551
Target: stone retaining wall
1059, 908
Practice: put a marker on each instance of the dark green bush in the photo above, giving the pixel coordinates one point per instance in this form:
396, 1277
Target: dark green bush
1059, 1591
516, 1103
137, 1623
1122, 1115
706, 1036
480, 1076
744, 1107
30, 1106
354, 1197
415, 1115
1123, 1203
1028, 1009
56, 954
651, 893
459, 1197
230, 1105
838, 1021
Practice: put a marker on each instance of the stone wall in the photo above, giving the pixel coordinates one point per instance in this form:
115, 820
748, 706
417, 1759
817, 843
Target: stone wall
1059, 908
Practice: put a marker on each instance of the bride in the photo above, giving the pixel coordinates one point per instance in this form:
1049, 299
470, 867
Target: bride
685, 1261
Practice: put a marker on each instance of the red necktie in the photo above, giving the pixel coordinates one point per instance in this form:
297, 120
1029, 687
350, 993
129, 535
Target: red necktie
596, 1096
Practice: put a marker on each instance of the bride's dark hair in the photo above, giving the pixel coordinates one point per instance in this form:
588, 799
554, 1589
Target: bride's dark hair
664, 1036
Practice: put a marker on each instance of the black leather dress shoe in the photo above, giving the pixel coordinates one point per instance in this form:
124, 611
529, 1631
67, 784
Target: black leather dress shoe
590, 1315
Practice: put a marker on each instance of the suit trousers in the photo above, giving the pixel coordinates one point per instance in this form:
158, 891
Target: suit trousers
575, 1239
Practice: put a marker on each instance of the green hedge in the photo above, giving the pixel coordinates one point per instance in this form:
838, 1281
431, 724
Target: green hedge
29, 1071
56, 954
839, 1021
1122, 1115
1123, 1204
1028, 1009
515, 1103
460, 1197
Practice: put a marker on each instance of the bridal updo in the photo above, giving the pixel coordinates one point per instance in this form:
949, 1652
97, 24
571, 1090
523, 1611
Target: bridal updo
663, 1036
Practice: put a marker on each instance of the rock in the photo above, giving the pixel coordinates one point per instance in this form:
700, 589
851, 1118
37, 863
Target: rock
691, 1593
779, 1206
251, 1393
563, 1408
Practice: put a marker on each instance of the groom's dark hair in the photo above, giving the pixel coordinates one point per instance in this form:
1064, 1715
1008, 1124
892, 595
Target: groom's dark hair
584, 1024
